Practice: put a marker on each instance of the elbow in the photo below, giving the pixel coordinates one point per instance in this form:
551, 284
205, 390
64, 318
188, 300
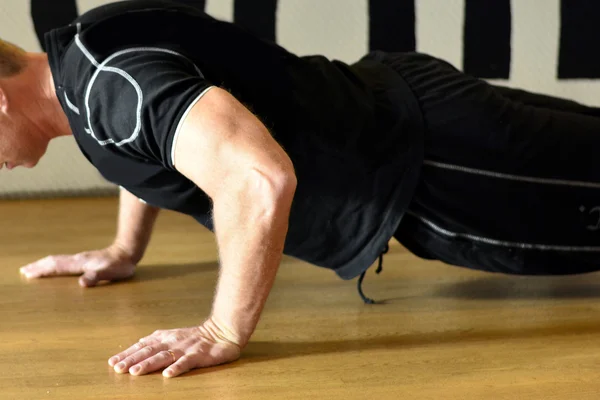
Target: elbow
285, 184
283, 187
275, 190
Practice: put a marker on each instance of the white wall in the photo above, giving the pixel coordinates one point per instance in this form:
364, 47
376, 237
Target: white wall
317, 26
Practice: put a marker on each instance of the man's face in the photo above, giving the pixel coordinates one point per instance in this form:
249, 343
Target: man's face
22, 143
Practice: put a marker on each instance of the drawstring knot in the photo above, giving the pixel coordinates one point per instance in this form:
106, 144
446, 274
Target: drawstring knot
366, 299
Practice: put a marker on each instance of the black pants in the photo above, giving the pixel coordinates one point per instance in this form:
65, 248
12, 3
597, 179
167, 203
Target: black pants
511, 179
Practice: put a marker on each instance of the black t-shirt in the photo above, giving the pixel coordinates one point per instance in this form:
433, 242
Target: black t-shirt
126, 73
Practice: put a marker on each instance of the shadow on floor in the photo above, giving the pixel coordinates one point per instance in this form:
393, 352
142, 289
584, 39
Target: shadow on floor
260, 351
520, 287
146, 273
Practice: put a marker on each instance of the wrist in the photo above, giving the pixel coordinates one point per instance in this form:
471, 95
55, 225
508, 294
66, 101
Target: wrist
221, 332
128, 252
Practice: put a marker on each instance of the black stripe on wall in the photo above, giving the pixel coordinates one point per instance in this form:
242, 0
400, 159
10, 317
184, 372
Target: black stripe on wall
578, 52
47, 17
487, 30
258, 16
392, 25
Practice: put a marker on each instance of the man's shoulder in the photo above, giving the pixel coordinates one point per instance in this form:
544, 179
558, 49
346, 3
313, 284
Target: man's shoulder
130, 98
103, 31
156, 23
122, 54
133, 10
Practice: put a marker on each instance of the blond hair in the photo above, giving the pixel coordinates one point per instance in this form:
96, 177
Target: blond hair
12, 59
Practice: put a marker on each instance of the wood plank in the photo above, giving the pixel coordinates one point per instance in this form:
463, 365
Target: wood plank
442, 332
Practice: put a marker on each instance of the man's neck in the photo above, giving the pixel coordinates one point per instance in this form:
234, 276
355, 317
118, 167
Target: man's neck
49, 113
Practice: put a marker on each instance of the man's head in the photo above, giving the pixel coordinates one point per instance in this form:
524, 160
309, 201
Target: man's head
13, 59
30, 114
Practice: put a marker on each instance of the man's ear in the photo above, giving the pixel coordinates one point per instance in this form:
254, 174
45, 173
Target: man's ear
3, 101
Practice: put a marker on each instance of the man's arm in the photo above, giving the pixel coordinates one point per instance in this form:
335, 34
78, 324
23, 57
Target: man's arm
134, 226
229, 154
117, 261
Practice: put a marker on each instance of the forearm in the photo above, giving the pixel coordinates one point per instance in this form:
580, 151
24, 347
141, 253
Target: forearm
135, 223
251, 225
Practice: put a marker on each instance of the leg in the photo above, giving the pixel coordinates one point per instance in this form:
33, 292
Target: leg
545, 101
506, 186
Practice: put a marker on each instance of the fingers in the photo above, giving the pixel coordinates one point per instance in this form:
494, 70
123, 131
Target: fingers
52, 266
93, 266
203, 357
177, 350
158, 361
89, 279
143, 358
182, 365
92, 278
131, 350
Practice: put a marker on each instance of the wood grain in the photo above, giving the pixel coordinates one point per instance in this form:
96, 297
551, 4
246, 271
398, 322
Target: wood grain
442, 332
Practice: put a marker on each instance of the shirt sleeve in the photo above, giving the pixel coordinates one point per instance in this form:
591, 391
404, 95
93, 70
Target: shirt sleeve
137, 99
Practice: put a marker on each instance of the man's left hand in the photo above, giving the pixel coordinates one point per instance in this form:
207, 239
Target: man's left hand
177, 350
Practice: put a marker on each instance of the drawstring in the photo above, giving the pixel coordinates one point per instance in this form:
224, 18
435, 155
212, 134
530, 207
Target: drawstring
366, 299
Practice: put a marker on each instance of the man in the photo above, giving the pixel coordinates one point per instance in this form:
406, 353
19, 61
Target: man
279, 154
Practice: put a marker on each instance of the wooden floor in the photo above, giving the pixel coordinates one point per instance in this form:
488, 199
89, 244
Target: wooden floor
443, 332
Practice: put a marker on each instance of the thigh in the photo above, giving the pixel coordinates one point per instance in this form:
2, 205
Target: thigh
436, 241
545, 101
519, 174
506, 185
470, 122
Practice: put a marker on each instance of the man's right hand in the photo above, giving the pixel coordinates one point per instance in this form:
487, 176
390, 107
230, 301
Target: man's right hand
110, 264
114, 263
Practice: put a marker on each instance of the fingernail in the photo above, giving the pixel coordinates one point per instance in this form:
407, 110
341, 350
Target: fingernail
168, 372
136, 369
113, 360
120, 365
